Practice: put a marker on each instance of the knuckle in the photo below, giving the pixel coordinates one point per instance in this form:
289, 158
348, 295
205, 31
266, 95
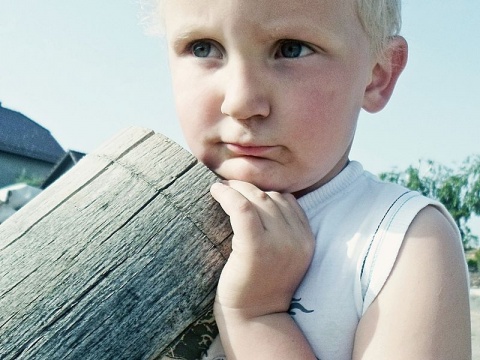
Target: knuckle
275, 195
261, 195
244, 205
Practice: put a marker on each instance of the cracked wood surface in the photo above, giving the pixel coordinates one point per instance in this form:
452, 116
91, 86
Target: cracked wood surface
116, 258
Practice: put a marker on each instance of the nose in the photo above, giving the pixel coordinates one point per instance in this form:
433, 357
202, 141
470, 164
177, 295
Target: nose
245, 92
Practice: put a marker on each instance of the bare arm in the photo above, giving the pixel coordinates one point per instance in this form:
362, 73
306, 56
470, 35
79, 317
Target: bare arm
271, 251
423, 310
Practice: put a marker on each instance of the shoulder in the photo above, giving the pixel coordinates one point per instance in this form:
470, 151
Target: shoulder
432, 232
423, 308
432, 246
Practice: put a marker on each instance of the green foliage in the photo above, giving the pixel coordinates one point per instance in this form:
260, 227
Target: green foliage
472, 265
473, 261
29, 180
458, 189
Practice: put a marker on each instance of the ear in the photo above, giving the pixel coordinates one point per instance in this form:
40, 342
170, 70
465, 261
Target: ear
385, 74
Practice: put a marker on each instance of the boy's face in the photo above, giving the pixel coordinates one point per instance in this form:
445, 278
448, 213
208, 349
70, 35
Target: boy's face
269, 91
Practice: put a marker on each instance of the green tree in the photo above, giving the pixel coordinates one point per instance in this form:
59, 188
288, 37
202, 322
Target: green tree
29, 180
458, 189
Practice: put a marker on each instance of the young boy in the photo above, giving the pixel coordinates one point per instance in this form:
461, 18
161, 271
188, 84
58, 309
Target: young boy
327, 262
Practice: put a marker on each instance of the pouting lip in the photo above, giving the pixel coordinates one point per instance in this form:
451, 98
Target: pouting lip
249, 149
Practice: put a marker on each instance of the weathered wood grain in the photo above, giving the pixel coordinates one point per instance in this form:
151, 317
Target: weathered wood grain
115, 259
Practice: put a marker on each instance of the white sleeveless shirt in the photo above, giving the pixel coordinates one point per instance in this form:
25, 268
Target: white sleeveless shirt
359, 223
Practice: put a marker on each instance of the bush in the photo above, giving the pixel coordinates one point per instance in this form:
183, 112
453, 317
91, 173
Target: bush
472, 265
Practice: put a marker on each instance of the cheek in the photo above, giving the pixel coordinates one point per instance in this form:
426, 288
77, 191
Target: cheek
330, 101
325, 122
194, 103
316, 111
197, 112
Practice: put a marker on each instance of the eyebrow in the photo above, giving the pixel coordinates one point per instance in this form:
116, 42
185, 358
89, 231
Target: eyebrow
179, 38
282, 29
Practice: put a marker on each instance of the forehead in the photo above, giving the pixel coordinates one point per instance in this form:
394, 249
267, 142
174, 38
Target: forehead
336, 16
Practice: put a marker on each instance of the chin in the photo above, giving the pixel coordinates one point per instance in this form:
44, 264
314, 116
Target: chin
257, 180
263, 177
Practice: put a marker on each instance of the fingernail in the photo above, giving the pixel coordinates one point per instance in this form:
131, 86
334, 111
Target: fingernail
217, 184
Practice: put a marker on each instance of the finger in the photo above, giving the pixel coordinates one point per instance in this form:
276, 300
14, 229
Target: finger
244, 216
290, 208
266, 207
272, 205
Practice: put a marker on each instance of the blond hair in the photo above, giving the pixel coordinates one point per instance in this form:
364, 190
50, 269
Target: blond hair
151, 16
381, 20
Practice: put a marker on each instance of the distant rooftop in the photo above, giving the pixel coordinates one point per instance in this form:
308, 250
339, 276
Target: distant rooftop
70, 159
22, 136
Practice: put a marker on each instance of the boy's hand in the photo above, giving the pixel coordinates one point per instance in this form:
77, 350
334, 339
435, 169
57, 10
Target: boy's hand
272, 248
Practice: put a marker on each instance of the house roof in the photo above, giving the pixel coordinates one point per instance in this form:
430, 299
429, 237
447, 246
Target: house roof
62, 166
22, 136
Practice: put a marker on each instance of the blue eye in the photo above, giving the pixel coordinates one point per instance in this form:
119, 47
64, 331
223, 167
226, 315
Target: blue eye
293, 49
201, 49
205, 49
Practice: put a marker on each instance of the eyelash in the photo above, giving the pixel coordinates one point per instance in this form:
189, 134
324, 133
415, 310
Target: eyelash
303, 46
206, 44
195, 47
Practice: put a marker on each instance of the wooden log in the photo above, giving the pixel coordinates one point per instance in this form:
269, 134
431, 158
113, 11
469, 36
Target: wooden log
116, 259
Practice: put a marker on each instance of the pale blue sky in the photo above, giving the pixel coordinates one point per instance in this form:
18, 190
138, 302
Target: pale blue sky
84, 70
